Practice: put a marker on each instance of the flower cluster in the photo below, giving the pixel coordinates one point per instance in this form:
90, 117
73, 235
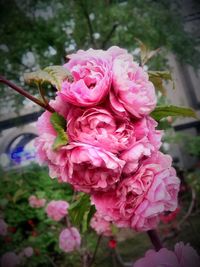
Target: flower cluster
69, 238
113, 149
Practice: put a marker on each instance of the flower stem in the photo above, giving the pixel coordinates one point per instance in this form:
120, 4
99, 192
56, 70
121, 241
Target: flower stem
155, 240
26, 94
95, 251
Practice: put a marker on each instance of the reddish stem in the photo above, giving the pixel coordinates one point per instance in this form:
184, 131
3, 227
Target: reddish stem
26, 94
155, 240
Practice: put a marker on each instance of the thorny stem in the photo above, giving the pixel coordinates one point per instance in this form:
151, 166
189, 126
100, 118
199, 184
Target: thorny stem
155, 240
26, 94
95, 251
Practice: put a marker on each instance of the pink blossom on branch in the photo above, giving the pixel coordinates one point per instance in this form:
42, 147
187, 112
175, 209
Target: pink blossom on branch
132, 90
139, 199
69, 239
183, 256
90, 168
92, 74
113, 146
99, 127
57, 209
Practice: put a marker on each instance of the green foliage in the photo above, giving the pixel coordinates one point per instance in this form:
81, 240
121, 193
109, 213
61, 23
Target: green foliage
161, 112
64, 26
189, 143
81, 211
59, 124
30, 226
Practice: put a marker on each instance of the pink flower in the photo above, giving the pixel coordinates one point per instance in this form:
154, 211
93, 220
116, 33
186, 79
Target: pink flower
98, 127
9, 259
35, 202
92, 74
3, 227
69, 239
28, 252
139, 199
44, 125
90, 168
183, 256
132, 90
60, 106
147, 141
57, 209
100, 225
46, 155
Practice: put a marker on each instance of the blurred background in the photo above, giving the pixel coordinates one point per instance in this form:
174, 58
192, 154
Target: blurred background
38, 33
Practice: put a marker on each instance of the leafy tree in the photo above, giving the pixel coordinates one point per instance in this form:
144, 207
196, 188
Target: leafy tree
38, 33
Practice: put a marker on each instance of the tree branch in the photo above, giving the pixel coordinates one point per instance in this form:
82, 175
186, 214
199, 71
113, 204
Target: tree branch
95, 251
155, 240
114, 27
90, 27
26, 94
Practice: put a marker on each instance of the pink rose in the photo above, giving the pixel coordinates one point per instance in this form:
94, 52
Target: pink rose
183, 256
98, 127
90, 168
3, 227
132, 90
9, 259
92, 74
100, 225
139, 199
35, 202
69, 239
57, 209
147, 140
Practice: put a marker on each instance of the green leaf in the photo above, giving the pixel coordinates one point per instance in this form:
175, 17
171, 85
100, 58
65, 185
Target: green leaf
81, 211
54, 75
59, 124
145, 53
87, 217
18, 194
158, 77
161, 112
